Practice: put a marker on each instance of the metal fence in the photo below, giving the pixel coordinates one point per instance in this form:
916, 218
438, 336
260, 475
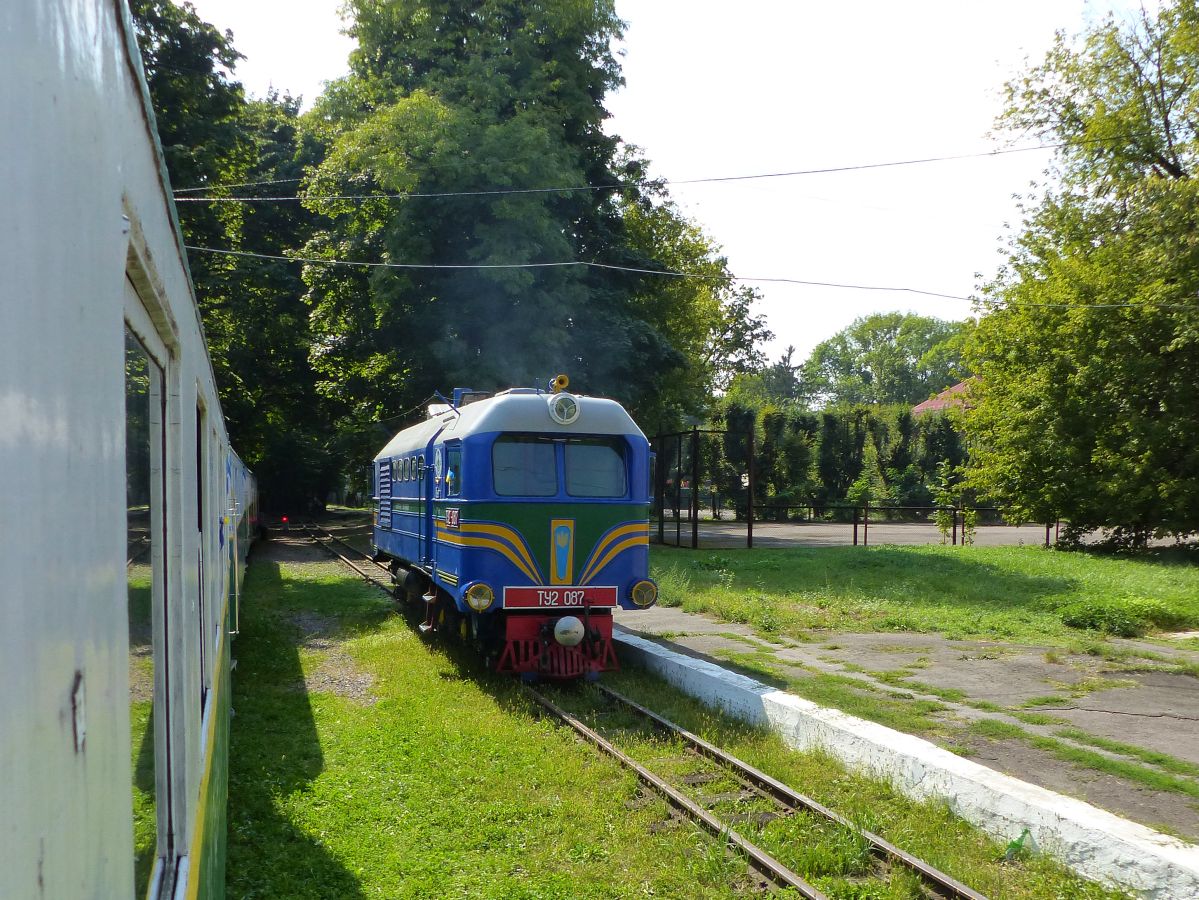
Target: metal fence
705, 495
700, 470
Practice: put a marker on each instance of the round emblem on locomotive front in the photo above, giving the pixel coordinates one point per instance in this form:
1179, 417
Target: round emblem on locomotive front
564, 409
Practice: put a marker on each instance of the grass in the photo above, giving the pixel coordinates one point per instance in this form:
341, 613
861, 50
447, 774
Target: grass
446, 785
439, 780
1163, 761
1022, 594
1151, 778
854, 696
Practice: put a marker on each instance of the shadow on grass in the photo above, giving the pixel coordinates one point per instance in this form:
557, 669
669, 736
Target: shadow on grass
275, 751
902, 575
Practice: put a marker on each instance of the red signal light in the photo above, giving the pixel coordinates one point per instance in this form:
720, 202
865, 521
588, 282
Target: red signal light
285, 518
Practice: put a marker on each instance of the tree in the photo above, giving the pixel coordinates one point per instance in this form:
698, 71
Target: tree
446, 104
886, 358
254, 320
706, 324
1089, 354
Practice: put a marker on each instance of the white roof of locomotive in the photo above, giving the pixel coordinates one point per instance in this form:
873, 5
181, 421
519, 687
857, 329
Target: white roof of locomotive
521, 410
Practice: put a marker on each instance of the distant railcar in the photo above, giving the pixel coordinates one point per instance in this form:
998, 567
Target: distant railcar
521, 520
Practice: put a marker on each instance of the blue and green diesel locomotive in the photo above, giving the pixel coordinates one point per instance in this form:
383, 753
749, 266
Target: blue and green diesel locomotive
521, 521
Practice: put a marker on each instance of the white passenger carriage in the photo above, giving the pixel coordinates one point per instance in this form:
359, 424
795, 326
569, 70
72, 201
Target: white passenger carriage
126, 513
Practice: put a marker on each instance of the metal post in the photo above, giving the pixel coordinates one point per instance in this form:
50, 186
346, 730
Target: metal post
855, 526
866, 524
678, 491
1057, 531
660, 490
1048, 525
749, 518
695, 489
955, 528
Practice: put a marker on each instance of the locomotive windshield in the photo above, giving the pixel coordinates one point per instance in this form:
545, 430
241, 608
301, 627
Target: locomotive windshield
595, 468
527, 466
524, 467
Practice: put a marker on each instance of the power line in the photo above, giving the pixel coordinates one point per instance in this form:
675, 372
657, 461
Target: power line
212, 187
407, 412
592, 187
667, 273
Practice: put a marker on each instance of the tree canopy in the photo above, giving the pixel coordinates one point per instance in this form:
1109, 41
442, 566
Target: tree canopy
254, 320
886, 358
504, 235
1088, 356
464, 114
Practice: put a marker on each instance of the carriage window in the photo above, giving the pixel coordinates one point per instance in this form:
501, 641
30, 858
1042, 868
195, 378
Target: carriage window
595, 468
524, 467
145, 578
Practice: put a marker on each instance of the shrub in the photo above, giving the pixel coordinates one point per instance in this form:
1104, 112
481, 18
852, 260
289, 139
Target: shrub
1118, 619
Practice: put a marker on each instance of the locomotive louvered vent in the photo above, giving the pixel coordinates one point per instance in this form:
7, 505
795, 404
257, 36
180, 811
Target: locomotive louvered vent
385, 494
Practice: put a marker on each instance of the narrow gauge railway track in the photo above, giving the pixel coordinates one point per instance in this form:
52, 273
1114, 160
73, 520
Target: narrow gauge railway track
365, 566
755, 785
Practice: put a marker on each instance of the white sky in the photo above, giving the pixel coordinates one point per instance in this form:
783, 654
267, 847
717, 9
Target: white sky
755, 86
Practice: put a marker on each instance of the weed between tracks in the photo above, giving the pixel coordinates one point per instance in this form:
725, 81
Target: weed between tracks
449, 784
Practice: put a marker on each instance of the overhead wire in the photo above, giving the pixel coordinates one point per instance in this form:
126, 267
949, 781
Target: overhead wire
715, 179
668, 273
407, 412
563, 189
236, 184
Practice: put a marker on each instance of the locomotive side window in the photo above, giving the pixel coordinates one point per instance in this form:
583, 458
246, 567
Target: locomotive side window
453, 471
145, 402
595, 467
524, 467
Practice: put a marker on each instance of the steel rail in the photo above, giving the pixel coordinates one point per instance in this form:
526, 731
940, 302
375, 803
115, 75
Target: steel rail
335, 539
310, 531
761, 860
946, 884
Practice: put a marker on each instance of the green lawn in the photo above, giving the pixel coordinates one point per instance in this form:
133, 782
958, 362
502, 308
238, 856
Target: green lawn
448, 785
439, 780
1011, 593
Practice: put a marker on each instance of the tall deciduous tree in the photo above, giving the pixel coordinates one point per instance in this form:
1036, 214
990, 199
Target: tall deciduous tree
886, 358
462, 100
1089, 356
254, 318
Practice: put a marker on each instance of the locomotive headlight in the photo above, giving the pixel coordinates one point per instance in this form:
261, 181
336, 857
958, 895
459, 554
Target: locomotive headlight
644, 593
569, 631
479, 596
564, 409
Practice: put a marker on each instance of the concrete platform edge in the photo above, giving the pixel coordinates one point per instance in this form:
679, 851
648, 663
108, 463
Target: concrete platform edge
1097, 844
